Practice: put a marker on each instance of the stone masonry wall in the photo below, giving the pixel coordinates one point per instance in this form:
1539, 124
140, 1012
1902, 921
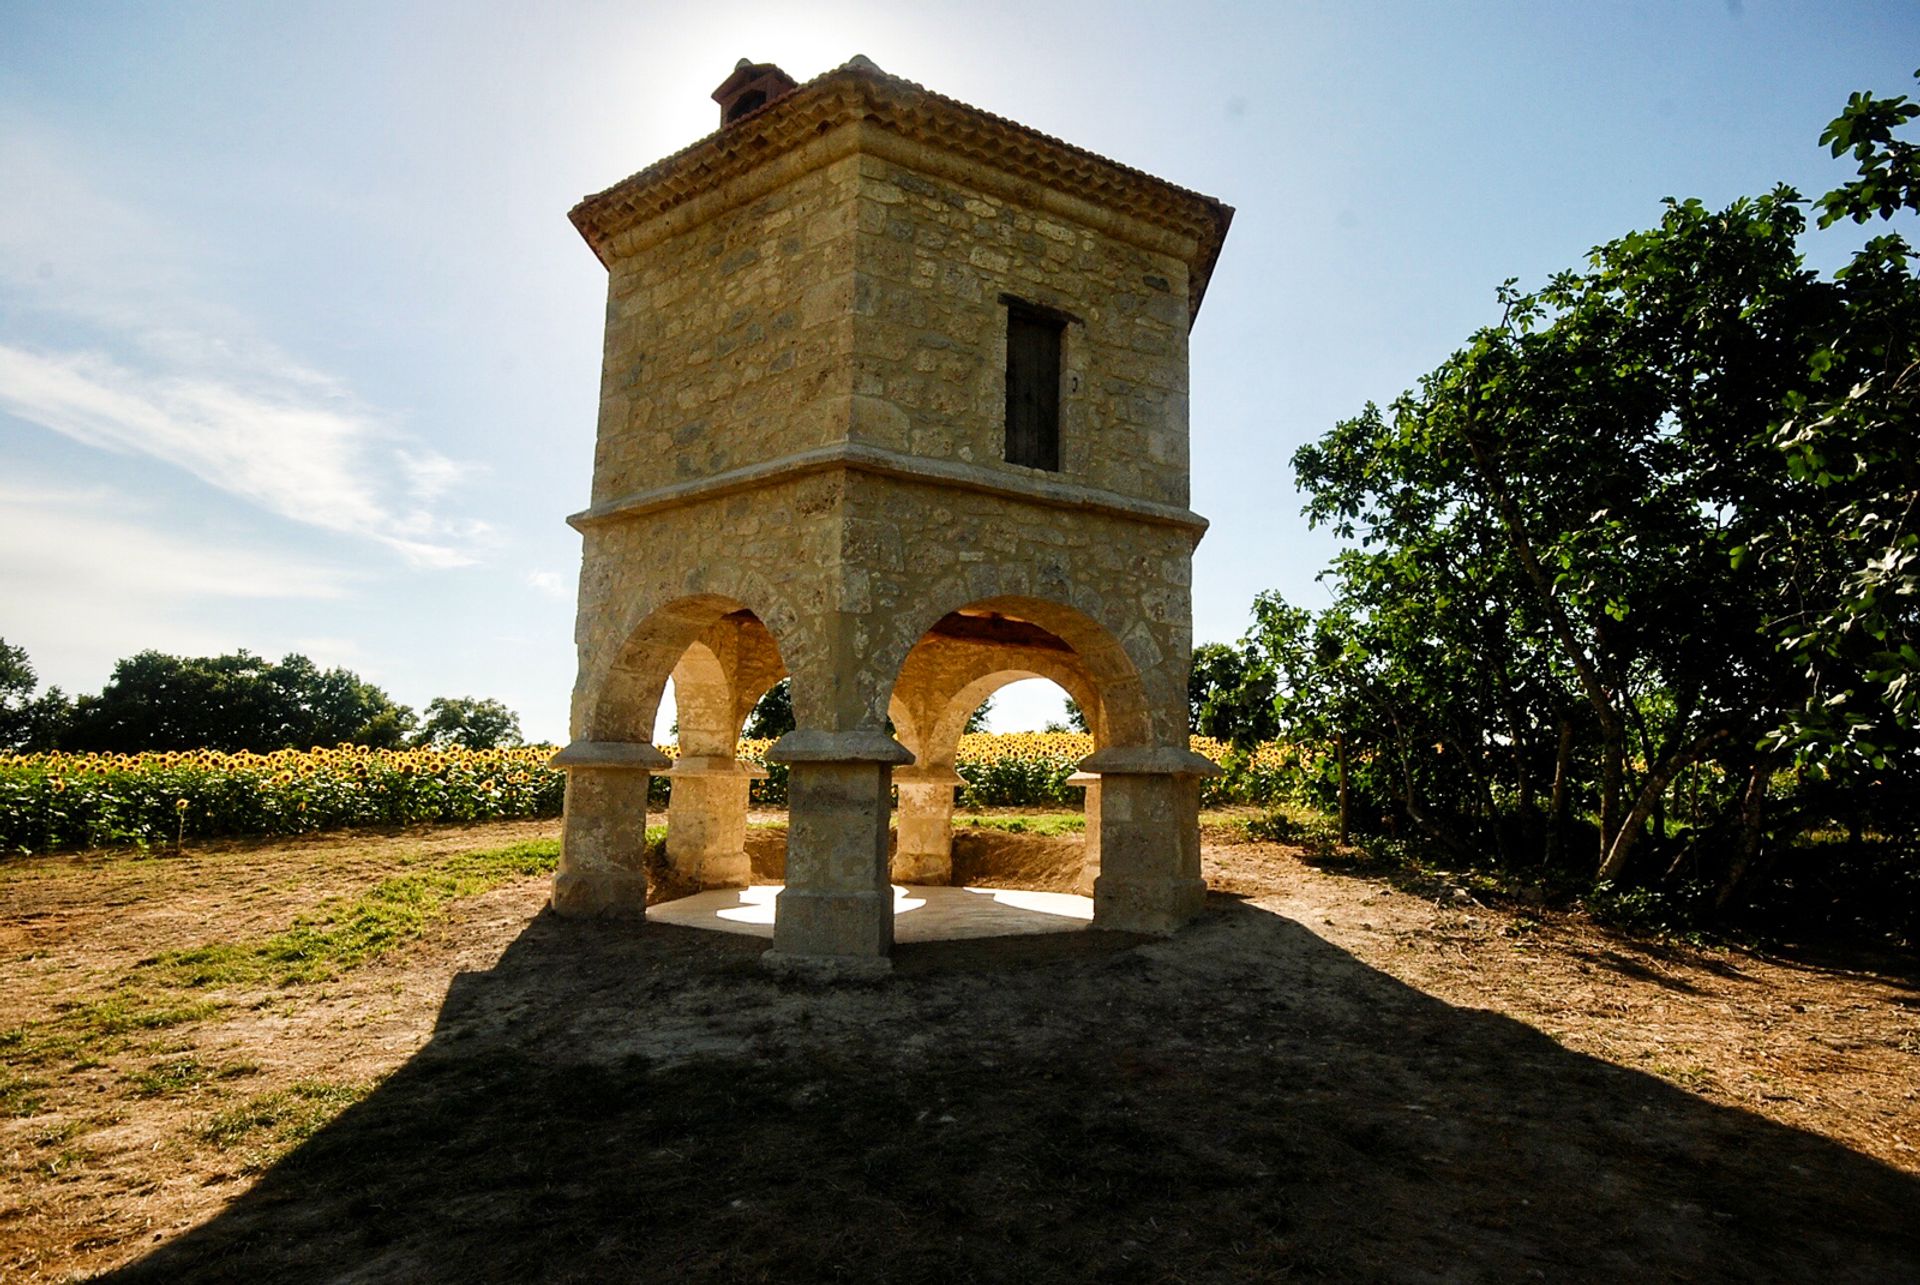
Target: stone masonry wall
860, 302
730, 343
933, 258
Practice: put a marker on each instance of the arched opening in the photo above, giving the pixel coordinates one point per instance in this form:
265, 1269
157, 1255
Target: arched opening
962, 660
720, 658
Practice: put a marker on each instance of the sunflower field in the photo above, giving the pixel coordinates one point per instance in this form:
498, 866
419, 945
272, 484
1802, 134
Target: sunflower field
50, 801
55, 801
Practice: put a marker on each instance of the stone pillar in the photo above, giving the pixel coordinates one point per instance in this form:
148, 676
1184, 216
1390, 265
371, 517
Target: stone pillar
925, 851
707, 820
1090, 860
603, 843
1149, 838
835, 915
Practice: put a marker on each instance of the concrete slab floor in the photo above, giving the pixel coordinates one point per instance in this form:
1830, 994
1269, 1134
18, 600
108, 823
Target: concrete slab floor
919, 913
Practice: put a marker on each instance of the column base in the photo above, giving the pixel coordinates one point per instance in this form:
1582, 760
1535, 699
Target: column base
1156, 907
932, 868
846, 925
734, 870
600, 894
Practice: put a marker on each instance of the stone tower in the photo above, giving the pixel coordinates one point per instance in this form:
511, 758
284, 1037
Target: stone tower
894, 402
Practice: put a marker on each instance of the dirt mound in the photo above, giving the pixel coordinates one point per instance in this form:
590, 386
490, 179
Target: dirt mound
981, 858
996, 859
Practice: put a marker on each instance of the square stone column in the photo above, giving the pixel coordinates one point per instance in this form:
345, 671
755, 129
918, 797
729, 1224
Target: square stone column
835, 915
1090, 860
707, 820
603, 842
925, 851
1149, 878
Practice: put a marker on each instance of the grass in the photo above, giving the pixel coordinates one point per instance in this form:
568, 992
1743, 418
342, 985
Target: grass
19, 1096
1045, 824
184, 1075
344, 933
85, 1033
269, 1124
338, 936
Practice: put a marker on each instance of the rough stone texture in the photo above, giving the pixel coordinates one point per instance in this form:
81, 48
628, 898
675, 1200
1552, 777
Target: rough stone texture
603, 844
837, 901
800, 470
1089, 782
707, 821
924, 853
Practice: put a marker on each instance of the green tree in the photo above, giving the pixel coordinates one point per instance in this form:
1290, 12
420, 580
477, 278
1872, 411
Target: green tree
469, 722
1575, 547
1851, 438
1230, 694
772, 715
27, 722
241, 701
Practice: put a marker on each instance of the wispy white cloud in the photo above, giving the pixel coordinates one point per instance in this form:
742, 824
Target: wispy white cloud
57, 535
551, 583
330, 465
161, 371
91, 575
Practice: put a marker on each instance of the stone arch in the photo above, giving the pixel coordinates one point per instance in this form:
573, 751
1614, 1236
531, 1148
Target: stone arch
941, 741
1037, 637
961, 658
684, 639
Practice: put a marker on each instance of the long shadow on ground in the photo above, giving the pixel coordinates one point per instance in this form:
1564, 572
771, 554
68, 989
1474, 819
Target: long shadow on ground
1244, 1101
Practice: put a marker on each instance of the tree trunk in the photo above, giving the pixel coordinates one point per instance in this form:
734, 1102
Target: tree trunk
1655, 785
1613, 754
1340, 749
1562, 769
1753, 807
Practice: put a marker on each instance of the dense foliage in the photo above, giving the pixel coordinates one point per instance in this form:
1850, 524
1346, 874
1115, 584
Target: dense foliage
1632, 580
239, 702
27, 721
468, 722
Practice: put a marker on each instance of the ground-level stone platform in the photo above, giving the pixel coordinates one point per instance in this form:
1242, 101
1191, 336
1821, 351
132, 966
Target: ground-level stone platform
920, 913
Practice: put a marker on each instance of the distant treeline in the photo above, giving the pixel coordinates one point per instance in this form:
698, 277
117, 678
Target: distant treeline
232, 703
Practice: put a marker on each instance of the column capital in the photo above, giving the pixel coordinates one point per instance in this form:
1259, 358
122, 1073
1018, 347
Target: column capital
714, 765
861, 745
932, 774
1148, 760
635, 756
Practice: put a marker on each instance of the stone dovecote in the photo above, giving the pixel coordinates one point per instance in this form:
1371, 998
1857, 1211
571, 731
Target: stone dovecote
803, 468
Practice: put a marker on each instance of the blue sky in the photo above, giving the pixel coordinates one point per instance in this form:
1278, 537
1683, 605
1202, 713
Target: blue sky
299, 352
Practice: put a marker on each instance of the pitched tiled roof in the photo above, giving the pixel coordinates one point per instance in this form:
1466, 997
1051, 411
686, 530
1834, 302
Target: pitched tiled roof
858, 90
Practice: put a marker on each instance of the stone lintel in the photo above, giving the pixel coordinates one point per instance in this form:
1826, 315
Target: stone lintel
1148, 760
862, 458
862, 745
714, 765
633, 755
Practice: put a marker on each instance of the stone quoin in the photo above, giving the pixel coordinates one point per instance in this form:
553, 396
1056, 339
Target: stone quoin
894, 401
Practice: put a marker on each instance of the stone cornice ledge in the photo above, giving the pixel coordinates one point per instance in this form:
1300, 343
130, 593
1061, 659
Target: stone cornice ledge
861, 458
635, 756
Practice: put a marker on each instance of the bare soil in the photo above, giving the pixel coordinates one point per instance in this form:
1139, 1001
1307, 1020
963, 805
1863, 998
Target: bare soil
1326, 1076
